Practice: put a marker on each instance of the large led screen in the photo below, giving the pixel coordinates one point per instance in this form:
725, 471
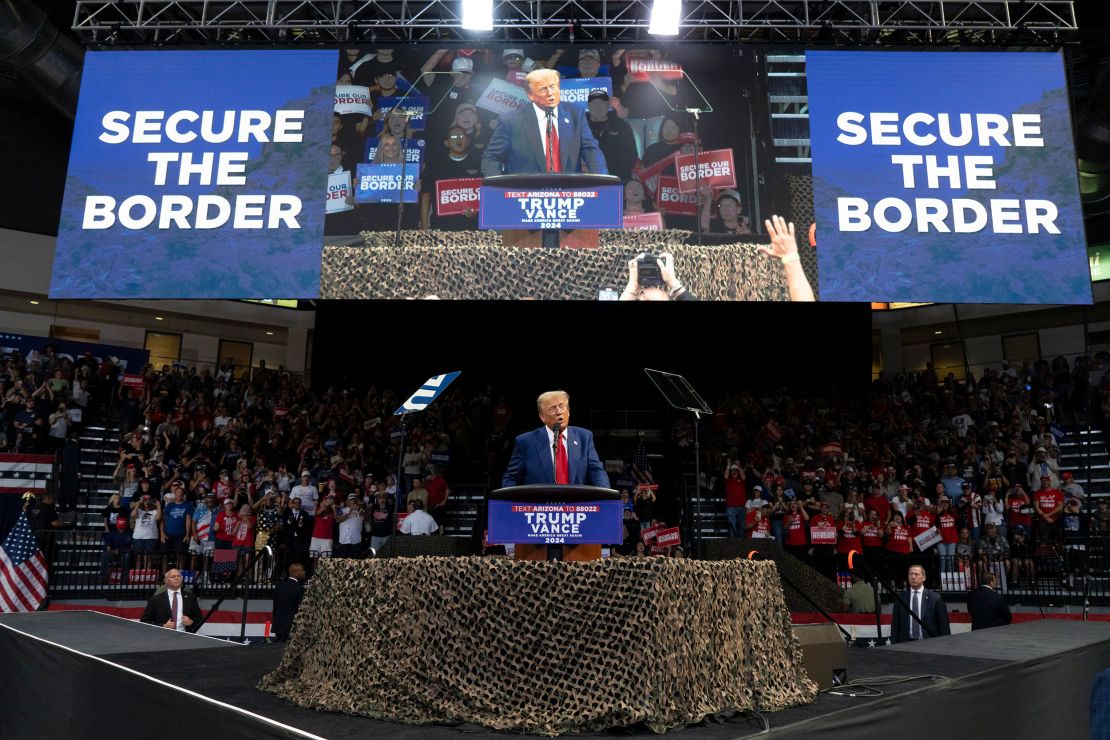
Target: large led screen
361, 173
945, 176
196, 174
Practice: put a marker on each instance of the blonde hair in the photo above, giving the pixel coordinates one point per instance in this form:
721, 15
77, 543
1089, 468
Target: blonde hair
550, 396
536, 75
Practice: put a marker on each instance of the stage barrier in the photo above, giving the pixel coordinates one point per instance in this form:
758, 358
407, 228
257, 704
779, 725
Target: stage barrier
543, 647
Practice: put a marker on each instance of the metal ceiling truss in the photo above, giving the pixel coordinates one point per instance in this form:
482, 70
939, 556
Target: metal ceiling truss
833, 22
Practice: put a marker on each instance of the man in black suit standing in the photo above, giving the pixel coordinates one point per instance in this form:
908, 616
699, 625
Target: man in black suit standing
174, 608
287, 599
926, 604
987, 607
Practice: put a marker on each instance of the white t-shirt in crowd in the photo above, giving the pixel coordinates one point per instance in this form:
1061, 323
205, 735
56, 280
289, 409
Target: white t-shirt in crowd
308, 496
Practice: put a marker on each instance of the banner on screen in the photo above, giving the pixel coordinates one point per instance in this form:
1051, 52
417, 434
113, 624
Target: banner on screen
205, 164
932, 169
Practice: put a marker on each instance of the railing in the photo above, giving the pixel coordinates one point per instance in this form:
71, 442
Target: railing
82, 567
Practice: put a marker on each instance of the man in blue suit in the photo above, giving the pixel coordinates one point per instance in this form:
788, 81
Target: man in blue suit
536, 459
520, 145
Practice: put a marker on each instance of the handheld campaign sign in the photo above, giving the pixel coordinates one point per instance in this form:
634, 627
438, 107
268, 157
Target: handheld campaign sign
578, 89
927, 539
644, 222
590, 208
416, 106
454, 197
426, 393
502, 97
672, 200
930, 171
715, 169
339, 187
583, 523
352, 99
380, 183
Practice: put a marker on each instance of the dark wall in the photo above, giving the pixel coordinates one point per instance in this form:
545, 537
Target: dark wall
595, 351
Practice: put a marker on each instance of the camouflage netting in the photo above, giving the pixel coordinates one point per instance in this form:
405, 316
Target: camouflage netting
819, 588
542, 647
474, 264
801, 211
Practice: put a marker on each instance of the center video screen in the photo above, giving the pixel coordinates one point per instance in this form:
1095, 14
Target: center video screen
653, 172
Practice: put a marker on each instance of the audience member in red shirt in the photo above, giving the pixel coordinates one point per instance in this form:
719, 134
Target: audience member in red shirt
898, 544
436, 486
876, 501
736, 499
946, 525
794, 525
1049, 504
225, 525
1017, 505
824, 560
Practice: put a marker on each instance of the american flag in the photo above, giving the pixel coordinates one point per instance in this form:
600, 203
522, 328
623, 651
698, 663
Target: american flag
641, 470
22, 570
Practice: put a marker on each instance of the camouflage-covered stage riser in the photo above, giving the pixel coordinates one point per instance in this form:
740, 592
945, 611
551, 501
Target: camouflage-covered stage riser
543, 647
474, 265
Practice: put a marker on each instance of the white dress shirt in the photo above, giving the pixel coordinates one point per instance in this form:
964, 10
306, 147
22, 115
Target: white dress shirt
551, 446
180, 626
541, 119
419, 522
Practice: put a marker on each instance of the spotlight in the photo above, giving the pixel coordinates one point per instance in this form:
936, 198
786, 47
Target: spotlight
477, 15
664, 17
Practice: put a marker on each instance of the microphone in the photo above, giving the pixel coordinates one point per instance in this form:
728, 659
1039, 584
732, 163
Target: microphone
557, 429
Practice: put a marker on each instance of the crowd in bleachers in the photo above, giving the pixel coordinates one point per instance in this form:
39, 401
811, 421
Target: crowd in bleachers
235, 460
961, 477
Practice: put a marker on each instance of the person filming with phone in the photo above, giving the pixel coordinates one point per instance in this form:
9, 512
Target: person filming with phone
652, 278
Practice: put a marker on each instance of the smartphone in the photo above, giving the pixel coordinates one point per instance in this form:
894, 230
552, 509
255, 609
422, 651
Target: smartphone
607, 294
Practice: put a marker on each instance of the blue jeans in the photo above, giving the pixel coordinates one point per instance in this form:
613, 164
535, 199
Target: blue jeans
735, 521
777, 531
947, 552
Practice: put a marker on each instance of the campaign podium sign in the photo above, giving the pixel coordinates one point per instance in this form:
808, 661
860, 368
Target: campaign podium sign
551, 202
538, 517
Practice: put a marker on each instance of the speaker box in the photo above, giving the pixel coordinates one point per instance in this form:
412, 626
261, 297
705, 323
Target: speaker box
824, 653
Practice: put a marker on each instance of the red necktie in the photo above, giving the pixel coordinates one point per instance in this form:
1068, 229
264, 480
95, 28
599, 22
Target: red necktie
562, 468
173, 609
553, 145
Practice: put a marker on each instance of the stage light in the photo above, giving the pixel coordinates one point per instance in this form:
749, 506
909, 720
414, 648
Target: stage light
664, 17
269, 333
34, 303
477, 15
158, 318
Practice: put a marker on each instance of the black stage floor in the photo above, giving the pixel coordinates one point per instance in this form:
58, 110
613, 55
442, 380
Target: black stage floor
1005, 682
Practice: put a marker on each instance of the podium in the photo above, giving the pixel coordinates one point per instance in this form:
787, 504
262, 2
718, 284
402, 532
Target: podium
555, 522
581, 204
